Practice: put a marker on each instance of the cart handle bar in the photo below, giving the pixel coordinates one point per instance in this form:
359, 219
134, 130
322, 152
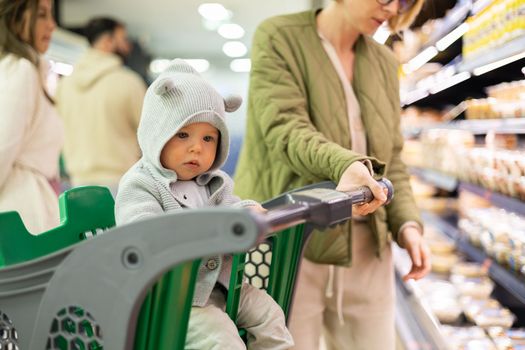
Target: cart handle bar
322, 207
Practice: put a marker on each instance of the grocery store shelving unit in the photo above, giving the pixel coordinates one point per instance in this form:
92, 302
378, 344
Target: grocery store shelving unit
506, 54
415, 324
497, 199
483, 126
438, 179
453, 19
457, 81
460, 79
450, 183
512, 282
467, 77
478, 127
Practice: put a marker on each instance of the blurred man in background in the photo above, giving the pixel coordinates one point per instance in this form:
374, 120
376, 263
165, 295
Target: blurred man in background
100, 103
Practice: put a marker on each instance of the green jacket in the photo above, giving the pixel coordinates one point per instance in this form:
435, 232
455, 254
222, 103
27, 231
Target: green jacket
298, 133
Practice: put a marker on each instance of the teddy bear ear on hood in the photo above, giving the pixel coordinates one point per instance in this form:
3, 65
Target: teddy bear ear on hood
232, 103
164, 85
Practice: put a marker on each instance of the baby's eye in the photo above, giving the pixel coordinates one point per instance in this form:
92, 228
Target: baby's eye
209, 138
182, 135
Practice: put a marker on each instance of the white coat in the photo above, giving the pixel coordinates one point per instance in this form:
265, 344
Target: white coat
31, 136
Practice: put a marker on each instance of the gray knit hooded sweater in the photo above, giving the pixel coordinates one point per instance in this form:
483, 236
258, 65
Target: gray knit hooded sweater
178, 97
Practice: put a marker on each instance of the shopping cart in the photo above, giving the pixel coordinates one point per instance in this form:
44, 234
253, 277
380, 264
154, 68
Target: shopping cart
88, 295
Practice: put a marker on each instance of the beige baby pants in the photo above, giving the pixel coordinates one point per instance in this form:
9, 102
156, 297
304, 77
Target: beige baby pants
210, 328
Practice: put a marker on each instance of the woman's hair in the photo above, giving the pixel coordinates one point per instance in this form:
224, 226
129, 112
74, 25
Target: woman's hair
404, 20
12, 25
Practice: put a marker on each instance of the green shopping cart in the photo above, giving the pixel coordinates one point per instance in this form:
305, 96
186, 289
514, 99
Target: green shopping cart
132, 286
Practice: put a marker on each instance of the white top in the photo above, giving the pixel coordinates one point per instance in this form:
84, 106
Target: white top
190, 193
357, 130
358, 144
31, 136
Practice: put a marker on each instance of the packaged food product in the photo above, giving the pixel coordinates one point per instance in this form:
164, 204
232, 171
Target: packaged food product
443, 263
447, 310
506, 339
477, 287
469, 269
472, 306
441, 246
487, 313
494, 140
490, 317
462, 338
471, 332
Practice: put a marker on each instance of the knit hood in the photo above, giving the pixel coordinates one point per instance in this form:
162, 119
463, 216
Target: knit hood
180, 96
94, 65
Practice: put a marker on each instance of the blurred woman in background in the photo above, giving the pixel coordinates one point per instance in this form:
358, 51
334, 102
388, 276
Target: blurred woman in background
31, 132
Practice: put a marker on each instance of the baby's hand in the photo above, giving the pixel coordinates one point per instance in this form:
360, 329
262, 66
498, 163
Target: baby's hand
257, 208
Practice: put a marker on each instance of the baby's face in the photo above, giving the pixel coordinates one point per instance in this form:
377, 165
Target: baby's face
191, 151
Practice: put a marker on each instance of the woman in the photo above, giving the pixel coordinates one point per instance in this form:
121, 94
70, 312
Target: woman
30, 130
324, 104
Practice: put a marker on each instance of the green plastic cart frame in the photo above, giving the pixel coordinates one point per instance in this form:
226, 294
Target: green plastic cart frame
88, 295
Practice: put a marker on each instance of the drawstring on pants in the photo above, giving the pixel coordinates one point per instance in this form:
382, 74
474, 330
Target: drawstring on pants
336, 275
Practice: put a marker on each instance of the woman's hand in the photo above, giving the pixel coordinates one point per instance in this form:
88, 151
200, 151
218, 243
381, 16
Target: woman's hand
358, 175
412, 240
257, 208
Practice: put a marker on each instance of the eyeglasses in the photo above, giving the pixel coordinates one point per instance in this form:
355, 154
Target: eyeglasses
404, 5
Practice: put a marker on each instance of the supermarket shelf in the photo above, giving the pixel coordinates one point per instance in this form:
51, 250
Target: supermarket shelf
436, 178
453, 18
498, 199
480, 5
450, 183
514, 47
415, 324
483, 126
510, 281
466, 70
515, 126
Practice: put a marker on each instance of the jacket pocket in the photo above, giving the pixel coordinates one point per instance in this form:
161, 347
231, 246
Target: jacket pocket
332, 246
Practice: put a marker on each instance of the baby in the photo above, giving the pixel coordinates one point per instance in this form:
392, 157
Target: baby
184, 141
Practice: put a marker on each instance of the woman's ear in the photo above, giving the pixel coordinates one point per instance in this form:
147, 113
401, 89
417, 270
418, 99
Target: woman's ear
164, 85
232, 103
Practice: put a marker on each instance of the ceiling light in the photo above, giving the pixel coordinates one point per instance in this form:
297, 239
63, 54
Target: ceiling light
234, 49
418, 61
451, 37
241, 65
214, 12
231, 31
199, 64
158, 65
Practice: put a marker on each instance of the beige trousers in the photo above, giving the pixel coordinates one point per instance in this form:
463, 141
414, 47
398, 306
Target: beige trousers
210, 328
367, 298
